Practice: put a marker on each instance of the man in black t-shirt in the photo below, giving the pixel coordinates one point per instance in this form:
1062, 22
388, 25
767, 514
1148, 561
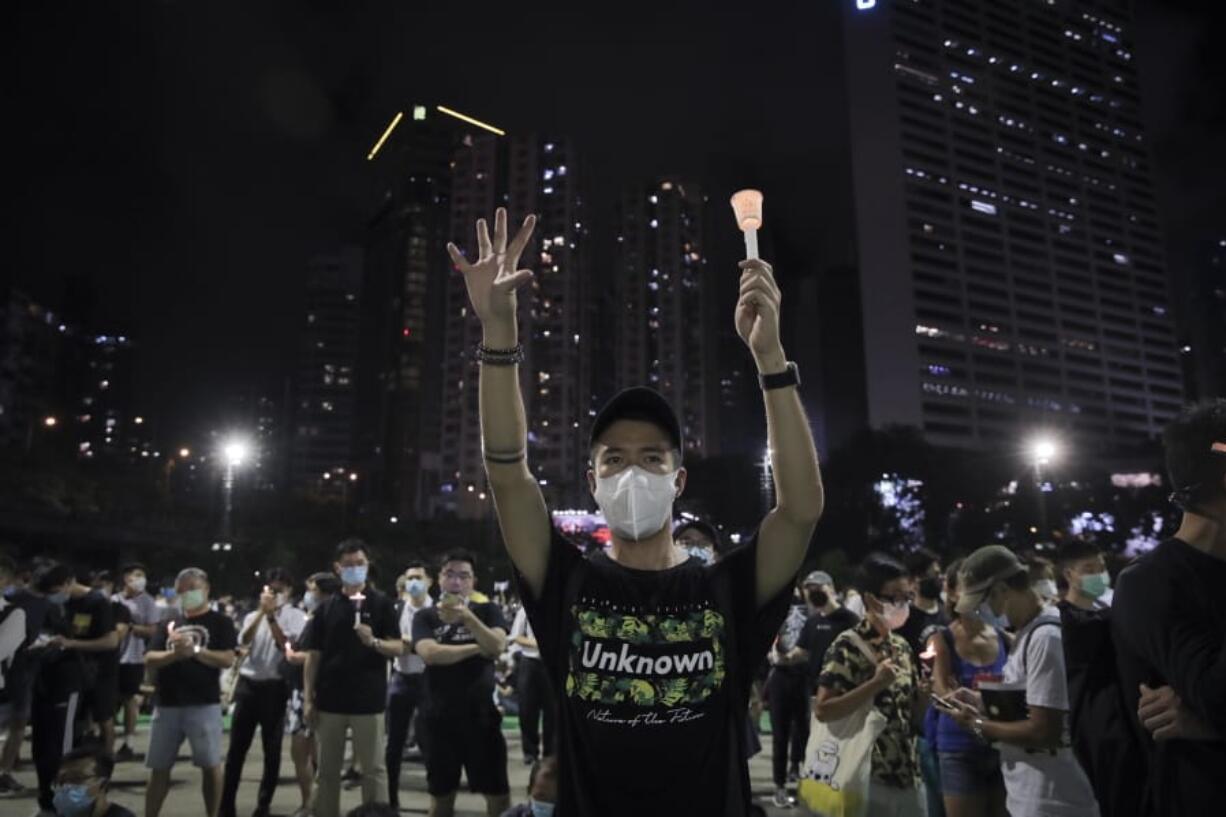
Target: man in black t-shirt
459, 639
927, 615
92, 633
827, 618
649, 649
349, 641
1169, 627
189, 654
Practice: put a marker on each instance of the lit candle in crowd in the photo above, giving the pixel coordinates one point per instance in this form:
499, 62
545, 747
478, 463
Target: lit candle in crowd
357, 599
747, 204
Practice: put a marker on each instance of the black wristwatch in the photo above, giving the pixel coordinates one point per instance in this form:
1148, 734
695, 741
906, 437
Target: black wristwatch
788, 377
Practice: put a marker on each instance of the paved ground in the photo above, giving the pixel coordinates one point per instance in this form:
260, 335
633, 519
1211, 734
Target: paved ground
184, 799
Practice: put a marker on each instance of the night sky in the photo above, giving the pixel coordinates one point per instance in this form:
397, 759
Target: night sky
185, 159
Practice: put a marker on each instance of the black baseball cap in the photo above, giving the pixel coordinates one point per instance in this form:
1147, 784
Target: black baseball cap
639, 403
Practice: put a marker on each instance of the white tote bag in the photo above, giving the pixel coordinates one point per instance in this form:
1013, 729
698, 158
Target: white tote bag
839, 757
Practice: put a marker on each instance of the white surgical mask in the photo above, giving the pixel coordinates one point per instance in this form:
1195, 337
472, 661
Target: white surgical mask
636, 503
310, 601
990, 617
1046, 588
137, 583
895, 613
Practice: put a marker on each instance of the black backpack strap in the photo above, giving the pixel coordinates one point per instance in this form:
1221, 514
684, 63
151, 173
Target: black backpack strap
1026, 644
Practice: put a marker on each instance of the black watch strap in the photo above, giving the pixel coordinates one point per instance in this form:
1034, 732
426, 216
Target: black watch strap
788, 377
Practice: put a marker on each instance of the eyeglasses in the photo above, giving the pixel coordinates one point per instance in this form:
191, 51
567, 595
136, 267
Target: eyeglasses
451, 574
907, 598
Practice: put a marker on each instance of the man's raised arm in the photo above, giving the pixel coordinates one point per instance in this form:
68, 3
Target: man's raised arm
784, 536
491, 282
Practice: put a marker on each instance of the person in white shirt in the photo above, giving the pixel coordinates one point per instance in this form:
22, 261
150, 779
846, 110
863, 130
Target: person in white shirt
1042, 776
407, 689
262, 691
146, 616
535, 693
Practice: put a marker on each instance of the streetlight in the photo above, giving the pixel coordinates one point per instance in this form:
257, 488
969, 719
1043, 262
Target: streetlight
50, 422
234, 452
1043, 451
184, 453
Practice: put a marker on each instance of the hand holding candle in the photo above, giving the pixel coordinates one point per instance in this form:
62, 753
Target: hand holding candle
747, 205
357, 599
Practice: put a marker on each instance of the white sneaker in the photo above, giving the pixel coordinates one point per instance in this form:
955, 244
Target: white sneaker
782, 799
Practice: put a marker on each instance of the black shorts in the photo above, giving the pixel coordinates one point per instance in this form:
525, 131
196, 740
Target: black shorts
471, 741
102, 697
131, 676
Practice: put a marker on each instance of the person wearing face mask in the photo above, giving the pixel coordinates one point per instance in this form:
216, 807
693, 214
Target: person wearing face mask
1042, 776
94, 634
651, 651
189, 653
319, 588
262, 692
146, 616
349, 640
1085, 572
542, 790
1042, 577
700, 540
407, 690
827, 618
82, 785
460, 639
788, 700
872, 663
60, 679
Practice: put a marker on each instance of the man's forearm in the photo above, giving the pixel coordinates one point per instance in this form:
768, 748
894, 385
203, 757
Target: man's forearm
249, 633
308, 675
105, 643
491, 641
504, 427
218, 659
156, 659
442, 655
798, 481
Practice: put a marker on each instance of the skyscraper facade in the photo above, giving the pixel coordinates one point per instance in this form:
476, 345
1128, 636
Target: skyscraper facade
664, 330
1009, 249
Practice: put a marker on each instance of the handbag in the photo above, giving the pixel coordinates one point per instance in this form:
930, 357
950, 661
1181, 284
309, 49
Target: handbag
839, 757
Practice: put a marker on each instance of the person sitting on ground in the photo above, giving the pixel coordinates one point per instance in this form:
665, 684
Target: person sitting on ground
542, 790
82, 784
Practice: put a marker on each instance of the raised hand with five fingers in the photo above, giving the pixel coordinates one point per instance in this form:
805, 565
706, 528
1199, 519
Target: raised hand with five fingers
494, 277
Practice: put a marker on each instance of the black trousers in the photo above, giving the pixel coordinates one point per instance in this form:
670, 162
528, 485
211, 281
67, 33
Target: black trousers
406, 694
262, 704
789, 708
51, 726
536, 700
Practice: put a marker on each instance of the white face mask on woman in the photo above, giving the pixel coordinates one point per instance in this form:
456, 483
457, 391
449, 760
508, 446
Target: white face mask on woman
637, 503
895, 613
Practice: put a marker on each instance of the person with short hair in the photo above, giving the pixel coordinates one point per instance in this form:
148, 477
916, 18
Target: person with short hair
349, 641
1085, 573
189, 654
1042, 776
1169, 626
827, 618
890, 680
262, 693
406, 692
460, 639
146, 616
1042, 577
83, 783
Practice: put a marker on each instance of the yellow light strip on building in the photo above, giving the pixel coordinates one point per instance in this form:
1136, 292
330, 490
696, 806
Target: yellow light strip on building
386, 133
470, 120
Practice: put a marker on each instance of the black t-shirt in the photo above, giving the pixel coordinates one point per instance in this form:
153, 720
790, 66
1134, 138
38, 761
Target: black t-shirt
116, 810
818, 634
352, 678
1169, 627
921, 626
60, 672
189, 682
467, 686
89, 617
650, 722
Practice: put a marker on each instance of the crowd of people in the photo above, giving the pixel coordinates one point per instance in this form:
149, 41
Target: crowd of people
995, 683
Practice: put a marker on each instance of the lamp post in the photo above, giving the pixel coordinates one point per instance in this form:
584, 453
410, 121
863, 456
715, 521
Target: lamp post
1043, 451
234, 452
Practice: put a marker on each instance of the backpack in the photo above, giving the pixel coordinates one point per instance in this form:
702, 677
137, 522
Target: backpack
1100, 721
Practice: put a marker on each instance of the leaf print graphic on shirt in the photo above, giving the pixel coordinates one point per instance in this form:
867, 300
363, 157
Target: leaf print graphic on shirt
646, 660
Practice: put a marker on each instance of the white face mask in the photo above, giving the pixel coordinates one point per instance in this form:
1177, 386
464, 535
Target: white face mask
895, 613
1046, 588
137, 583
636, 503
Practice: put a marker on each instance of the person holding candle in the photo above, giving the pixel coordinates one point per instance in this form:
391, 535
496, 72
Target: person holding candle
349, 640
189, 653
651, 650
262, 691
